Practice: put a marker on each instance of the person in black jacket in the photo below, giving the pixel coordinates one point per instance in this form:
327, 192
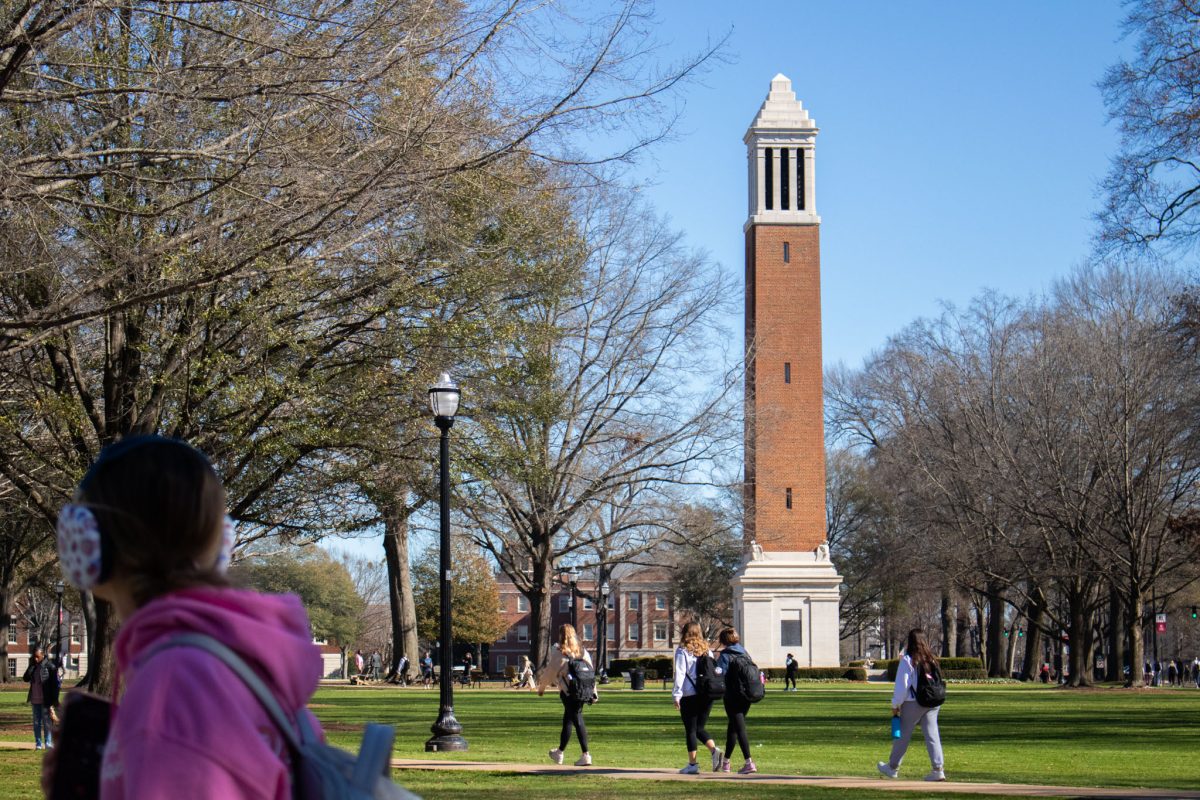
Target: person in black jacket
42, 677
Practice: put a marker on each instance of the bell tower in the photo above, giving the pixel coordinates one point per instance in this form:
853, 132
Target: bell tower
786, 593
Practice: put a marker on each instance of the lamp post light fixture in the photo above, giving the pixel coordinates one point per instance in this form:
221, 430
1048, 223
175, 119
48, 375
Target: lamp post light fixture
447, 732
58, 588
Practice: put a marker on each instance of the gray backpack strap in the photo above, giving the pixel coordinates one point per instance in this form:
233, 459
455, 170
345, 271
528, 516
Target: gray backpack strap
254, 683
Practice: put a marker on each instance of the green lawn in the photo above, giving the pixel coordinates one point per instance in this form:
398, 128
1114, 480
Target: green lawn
1013, 734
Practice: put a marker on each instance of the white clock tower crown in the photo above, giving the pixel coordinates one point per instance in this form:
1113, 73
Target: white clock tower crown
779, 148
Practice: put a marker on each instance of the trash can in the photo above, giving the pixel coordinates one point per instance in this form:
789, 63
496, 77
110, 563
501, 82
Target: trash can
637, 679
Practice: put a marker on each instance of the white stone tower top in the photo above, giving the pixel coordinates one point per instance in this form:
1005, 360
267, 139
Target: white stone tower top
780, 147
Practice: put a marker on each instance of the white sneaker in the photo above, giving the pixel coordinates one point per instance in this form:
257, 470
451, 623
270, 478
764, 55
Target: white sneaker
556, 756
690, 769
716, 758
936, 775
885, 769
585, 760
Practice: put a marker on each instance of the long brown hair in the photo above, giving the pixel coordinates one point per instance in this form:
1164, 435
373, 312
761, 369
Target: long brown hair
692, 640
919, 651
568, 642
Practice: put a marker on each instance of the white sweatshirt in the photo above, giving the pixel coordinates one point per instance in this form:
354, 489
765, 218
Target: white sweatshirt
906, 682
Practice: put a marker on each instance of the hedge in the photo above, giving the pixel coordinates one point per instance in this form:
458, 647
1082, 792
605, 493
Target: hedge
949, 666
819, 673
662, 666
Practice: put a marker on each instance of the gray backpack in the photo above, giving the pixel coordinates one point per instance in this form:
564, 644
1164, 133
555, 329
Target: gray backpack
319, 771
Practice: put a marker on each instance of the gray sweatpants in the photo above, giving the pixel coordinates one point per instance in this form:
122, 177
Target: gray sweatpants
911, 713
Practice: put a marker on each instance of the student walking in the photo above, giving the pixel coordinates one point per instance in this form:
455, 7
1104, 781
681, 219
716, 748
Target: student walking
427, 670
148, 533
736, 703
789, 680
42, 677
919, 664
570, 669
693, 705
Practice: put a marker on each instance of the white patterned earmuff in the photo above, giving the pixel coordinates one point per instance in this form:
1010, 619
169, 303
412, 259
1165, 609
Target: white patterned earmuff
80, 552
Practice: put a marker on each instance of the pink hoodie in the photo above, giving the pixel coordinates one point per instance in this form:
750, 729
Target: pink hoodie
186, 726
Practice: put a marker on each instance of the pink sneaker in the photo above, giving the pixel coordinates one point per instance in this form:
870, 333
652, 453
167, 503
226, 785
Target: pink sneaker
724, 765
748, 767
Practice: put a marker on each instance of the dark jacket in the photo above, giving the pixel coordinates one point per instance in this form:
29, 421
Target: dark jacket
48, 674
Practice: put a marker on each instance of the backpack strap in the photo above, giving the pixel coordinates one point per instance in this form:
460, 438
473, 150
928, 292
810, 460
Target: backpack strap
249, 678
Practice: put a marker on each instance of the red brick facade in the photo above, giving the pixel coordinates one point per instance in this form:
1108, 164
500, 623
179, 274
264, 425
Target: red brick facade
785, 439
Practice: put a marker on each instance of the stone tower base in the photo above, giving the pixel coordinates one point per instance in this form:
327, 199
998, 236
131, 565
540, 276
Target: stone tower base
788, 603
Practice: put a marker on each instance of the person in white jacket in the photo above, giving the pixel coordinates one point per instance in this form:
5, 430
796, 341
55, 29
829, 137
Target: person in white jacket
693, 706
557, 672
918, 657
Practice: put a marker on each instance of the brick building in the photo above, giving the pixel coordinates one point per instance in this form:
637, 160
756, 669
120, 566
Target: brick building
641, 618
22, 638
786, 595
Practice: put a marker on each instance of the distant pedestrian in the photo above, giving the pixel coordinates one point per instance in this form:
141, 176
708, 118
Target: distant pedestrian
693, 705
376, 665
42, 677
918, 662
427, 670
736, 704
791, 665
359, 663
570, 670
1044, 673
1172, 672
525, 678
402, 670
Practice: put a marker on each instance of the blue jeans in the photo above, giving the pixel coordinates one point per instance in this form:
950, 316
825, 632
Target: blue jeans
41, 722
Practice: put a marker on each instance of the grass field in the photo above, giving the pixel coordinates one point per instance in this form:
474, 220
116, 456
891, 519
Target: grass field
1011, 734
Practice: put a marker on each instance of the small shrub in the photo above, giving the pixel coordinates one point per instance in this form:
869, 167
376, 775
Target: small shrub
819, 673
948, 665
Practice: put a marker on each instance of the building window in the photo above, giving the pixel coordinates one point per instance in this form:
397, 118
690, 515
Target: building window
788, 497
589, 631
800, 162
609, 636
770, 179
660, 602
12, 668
660, 631
634, 601
787, 372
74, 633
611, 602
522, 603
12, 633
522, 633
564, 604
787, 253
790, 634
784, 182
500, 604
587, 604
501, 663
319, 640
633, 632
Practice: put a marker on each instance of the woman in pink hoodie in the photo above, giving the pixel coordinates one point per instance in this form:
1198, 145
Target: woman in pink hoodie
148, 533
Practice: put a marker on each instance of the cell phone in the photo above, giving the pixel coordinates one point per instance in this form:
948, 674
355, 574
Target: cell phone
80, 748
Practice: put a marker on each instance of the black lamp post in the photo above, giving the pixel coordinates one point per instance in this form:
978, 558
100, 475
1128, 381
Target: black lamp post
573, 579
602, 634
59, 587
447, 732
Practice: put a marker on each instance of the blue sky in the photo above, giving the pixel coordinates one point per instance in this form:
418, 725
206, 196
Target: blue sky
961, 145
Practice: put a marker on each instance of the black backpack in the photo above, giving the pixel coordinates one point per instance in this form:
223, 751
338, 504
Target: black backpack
747, 680
581, 681
931, 691
708, 683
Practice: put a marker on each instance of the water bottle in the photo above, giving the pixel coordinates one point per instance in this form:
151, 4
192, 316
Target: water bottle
895, 727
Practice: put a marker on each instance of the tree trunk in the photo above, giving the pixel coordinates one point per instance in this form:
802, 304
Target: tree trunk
1116, 637
99, 679
995, 632
5, 621
949, 625
1035, 613
540, 614
1137, 645
962, 625
1079, 638
400, 591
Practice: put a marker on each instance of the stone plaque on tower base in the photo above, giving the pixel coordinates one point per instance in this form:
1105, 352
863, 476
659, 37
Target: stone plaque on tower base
788, 603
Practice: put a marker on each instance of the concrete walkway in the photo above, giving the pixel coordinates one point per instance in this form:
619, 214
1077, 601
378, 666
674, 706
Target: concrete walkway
946, 787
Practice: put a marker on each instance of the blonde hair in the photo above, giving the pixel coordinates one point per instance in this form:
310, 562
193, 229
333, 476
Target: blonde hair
692, 640
568, 642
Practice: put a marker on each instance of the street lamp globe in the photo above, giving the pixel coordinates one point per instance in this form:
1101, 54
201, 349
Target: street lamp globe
443, 397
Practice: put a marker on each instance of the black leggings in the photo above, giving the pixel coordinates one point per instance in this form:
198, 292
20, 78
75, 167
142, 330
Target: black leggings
789, 679
694, 711
572, 716
736, 710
